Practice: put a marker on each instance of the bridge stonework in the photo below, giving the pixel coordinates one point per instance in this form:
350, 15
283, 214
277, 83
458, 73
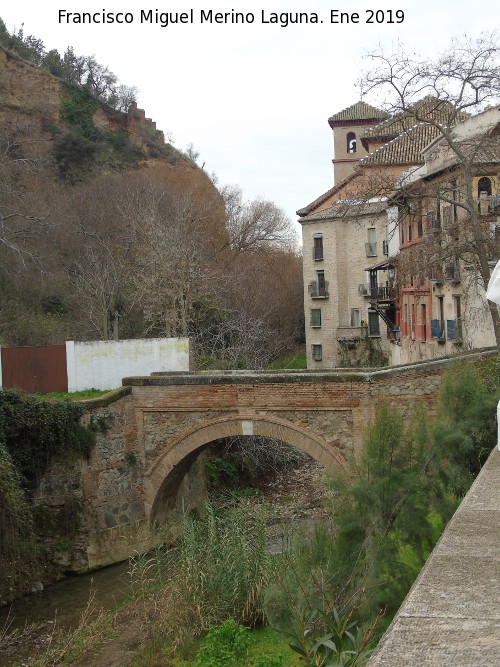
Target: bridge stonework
146, 465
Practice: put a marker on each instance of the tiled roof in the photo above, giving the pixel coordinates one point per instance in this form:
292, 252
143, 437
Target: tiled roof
347, 209
404, 149
429, 108
358, 111
322, 198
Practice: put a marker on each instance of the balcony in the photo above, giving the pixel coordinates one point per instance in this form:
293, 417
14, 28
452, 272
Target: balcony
454, 330
318, 290
377, 292
436, 276
489, 205
452, 273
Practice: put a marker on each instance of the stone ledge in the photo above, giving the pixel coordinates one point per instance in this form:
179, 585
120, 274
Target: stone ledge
106, 399
451, 616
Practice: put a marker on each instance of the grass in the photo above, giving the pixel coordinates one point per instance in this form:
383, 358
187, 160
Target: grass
266, 646
297, 361
75, 395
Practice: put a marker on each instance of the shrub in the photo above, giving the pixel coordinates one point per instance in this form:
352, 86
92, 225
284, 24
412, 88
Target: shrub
73, 153
35, 430
225, 645
77, 110
217, 571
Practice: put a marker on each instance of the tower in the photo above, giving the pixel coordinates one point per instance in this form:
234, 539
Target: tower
348, 126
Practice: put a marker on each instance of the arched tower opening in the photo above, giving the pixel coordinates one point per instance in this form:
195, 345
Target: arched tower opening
351, 142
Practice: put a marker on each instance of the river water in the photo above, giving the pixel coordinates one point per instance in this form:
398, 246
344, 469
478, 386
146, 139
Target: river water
63, 604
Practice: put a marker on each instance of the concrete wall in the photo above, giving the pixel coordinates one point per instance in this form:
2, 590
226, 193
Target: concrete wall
103, 364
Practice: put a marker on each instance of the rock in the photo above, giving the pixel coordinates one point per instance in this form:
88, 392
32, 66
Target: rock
37, 587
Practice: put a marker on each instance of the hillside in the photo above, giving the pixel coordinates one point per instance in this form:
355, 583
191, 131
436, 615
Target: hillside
109, 232
76, 177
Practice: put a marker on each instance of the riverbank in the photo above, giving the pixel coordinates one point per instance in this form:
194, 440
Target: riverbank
294, 496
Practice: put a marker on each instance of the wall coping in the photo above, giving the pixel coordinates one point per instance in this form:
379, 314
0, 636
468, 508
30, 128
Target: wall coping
293, 376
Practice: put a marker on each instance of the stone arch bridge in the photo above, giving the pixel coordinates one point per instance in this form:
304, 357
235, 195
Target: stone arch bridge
145, 463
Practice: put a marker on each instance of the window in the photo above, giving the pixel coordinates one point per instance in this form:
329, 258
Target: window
420, 226
458, 315
321, 283
438, 325
371, 246
355, 317
484, 185
318, 289
373, 323
454, 196
351, 142
318, 247
317, 352
423, 315
315, 317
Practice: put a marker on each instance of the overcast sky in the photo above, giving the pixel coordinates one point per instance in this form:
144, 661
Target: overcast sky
252, 98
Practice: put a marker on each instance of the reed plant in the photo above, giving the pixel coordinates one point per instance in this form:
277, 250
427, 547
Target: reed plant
217, 571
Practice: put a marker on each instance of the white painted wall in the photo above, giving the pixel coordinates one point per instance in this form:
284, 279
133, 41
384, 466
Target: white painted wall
103, 364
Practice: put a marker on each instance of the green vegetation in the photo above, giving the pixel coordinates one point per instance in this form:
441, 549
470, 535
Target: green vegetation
35, 430
82, 395
225, 645
298, 361
334, 590
78, 109
32, 432
394, 504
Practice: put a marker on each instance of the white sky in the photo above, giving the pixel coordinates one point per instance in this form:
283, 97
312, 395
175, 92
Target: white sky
253, 99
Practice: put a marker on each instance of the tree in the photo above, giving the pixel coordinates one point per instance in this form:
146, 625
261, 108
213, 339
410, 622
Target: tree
254, 225
460, 81
175, 232
22, 217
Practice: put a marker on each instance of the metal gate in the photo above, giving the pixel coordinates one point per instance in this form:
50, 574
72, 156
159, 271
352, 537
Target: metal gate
32, 369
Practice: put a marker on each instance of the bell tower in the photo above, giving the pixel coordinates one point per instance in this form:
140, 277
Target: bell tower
348, 127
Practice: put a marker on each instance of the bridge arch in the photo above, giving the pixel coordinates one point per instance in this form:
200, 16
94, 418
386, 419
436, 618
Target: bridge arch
164, 474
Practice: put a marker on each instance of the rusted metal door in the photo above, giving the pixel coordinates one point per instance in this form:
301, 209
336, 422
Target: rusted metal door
32, 369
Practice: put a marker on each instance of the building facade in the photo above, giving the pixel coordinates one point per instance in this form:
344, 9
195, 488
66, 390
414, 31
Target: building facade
387, 278
449, 224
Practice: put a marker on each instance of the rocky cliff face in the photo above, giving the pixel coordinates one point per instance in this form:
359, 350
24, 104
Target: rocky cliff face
41, 112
